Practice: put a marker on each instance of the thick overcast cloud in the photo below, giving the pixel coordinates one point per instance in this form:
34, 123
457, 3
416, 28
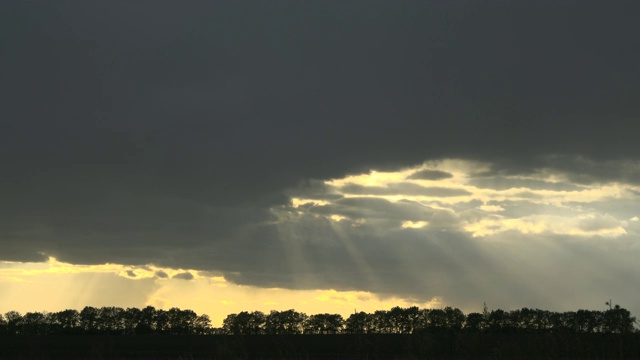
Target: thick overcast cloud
177, 133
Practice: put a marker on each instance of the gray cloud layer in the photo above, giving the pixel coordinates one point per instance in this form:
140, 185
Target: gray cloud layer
183, 276
402, 188
430, 175
165, 134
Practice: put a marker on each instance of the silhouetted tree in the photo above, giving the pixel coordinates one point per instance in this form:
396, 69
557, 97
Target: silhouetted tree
530, 320
422, 320
89, 319
474, 322
3, 325
324, 324
568, 321
132, 318
618, 320
586, 321
230, 325
437, 319
542, 320
404, 320
202, 325
218, 331
33, 323
181, 321
66, 321
14, 322
111, 320
161, 322
521, 319
288, 322
397, 320
148, 321
359, 323
454, 318
380, 322
498, 320
558, 322
245, 323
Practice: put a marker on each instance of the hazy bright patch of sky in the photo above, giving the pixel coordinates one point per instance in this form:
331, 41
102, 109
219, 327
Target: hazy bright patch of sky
74, 286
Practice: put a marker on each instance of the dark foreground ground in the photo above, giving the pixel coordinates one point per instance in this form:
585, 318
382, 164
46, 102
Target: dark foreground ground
417, 346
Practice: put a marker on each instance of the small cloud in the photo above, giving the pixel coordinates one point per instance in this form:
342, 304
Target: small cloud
587, 225
491, 208
528, 195
131, 273
337, 218
183, 276
414, 225
635, 218
430, 175
297, 202
161, 274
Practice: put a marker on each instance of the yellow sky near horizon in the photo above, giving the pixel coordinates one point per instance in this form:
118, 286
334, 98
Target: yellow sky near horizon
53, 286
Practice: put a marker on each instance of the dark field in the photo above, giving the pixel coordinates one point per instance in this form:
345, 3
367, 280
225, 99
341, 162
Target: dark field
344, 346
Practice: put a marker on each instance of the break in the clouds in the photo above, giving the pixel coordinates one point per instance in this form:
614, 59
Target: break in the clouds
310, 145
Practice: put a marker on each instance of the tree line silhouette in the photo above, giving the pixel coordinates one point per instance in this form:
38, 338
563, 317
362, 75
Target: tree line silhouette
410, 320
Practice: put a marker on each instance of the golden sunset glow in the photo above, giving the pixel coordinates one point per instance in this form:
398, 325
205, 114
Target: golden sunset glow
70, 287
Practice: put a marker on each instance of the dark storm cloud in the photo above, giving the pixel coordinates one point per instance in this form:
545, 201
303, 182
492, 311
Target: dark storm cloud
587, 171
313, 189
164, 133
430, 175
578, 170
14, 252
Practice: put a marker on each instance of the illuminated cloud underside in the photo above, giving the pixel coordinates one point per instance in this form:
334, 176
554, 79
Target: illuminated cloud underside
478, 210
452, 228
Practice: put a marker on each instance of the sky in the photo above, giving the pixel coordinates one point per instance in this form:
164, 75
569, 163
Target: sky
325, 156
